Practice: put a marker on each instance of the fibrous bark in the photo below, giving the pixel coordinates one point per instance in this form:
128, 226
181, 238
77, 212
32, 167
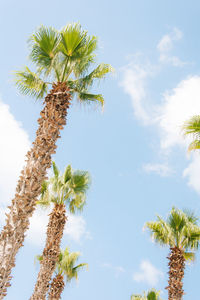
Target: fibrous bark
176, 274
51, 252
57, 287
52, 120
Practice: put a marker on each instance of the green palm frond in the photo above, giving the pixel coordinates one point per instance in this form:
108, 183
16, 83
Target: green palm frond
160, 232
189, 256
44, 47
87, 56
30, 84
195, 145
73, 38
77, 203
97, 73
192, 126
67, 174
55, 170
86, 97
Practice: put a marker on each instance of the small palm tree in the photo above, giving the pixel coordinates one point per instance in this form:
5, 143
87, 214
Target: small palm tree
65, 267
64, 190
63, 60
151, 295
182, 234
192, 128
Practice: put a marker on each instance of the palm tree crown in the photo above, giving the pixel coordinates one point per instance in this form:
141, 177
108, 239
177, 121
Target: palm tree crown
63, 56
151, 295
192, 128
66, 264
69, 189
179, 230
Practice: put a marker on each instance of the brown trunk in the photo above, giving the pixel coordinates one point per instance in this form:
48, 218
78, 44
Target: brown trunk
176, 273
57, 287
51, 252
52, 120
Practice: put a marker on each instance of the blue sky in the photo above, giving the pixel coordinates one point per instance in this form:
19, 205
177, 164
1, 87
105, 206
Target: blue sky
134, 150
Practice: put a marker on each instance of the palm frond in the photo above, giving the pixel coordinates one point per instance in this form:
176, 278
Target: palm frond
30, 84
67, 174
44, 47
87, 97
195, 145
192, 126
55, 169
77, 203
72, 39
189, 256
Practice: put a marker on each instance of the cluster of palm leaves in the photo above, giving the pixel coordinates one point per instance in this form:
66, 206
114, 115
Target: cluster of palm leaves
62, 62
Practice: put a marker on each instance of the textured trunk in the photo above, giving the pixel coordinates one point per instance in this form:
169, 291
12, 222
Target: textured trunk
176, 273
51, 252
57, 287
52, 120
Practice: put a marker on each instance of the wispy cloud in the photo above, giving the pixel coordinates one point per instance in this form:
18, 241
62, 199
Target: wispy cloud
148, 273
166, 45
134, 81
116, 269
161, 169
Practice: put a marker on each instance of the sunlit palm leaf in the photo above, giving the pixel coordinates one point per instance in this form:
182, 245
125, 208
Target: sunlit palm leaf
72, 39
195, 145
192, 126
30, 84
44, 44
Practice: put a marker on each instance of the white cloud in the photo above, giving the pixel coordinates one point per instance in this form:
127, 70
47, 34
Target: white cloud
133, 82
14, 143
76, 228
117, 269
165, 46
148, 274
161, 169
192, 173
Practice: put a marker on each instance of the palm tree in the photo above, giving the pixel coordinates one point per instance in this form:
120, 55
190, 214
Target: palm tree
64, 190
192, 128
151, 295
182, 234
62, 60
65, 267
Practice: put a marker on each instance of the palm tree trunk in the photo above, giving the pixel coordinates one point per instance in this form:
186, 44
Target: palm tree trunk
52, 120
51, 251
57, 287
176, 274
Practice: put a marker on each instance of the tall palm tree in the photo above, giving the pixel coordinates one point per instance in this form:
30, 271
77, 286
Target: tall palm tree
62, 60
64, 190
65, 267
151, 295
182, 234
192, 128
